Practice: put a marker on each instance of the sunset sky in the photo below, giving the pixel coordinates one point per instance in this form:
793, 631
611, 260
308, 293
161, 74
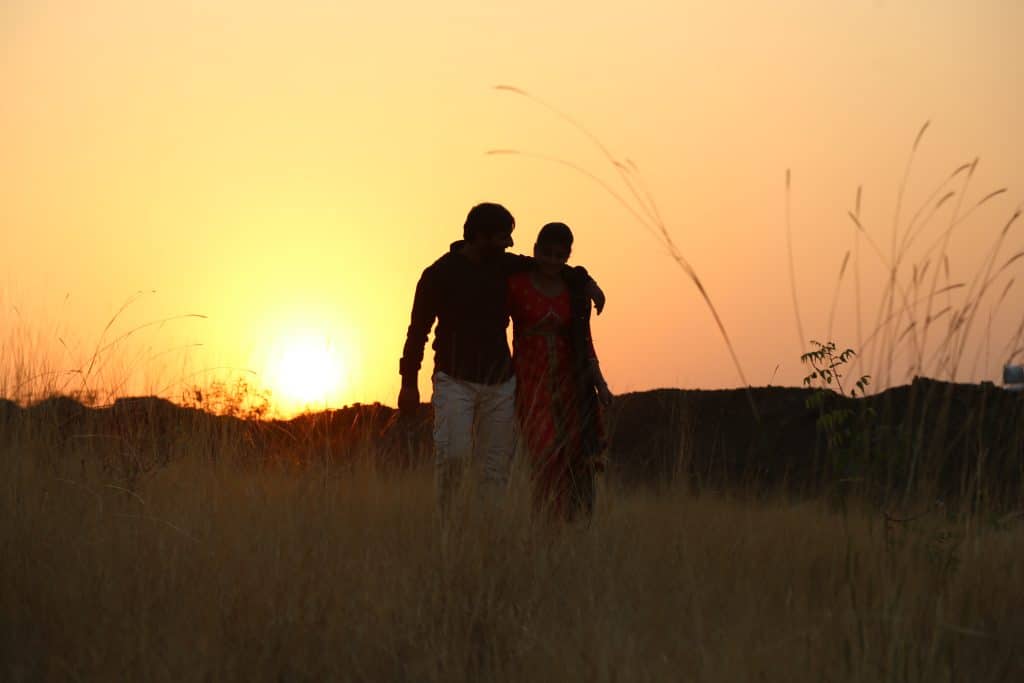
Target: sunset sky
287, 170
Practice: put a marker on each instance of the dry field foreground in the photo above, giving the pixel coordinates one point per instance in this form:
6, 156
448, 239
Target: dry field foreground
213, 569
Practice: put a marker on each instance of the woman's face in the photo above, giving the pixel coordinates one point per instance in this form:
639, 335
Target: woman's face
551, 256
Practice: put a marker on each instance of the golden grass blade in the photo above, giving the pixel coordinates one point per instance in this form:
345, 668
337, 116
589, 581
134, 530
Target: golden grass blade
912, 236
928, 202
856, 270
644, 221
871, 242
895, 315
942, 243
909, 236
174, 350
938, 314
1014, 341
625, 177
835, 293
906, 332
986, 347
962, 219
920, 134
153, 323
802, 339
903, 186
985, 282
989, 196
110, 323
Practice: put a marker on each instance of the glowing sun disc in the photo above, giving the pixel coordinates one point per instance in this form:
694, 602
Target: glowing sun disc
308, 371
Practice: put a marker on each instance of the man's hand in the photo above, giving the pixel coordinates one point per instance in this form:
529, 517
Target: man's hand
408, 401
596, 295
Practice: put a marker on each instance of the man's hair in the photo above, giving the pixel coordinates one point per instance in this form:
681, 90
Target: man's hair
555, 233
487, 219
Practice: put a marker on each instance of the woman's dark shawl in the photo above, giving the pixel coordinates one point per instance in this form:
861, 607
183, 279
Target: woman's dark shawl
583, 373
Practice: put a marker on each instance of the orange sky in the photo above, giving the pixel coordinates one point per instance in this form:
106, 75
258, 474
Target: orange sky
288, 169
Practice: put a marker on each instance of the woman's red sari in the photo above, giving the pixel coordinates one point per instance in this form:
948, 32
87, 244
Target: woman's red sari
548, 397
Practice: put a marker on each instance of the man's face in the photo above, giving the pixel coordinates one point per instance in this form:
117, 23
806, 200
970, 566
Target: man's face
496, 243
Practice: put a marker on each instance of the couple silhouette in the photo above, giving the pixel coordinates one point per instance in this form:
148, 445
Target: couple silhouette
549, 393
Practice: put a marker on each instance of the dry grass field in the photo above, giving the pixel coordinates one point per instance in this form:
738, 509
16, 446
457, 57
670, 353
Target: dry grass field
217, 568
226, 563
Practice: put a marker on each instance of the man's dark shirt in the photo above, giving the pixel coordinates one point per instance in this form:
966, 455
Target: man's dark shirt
468, 300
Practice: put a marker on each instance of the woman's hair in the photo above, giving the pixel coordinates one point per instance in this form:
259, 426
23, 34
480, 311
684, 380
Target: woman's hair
555, 233
487, 219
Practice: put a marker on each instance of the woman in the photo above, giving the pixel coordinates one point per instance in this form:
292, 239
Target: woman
558, 380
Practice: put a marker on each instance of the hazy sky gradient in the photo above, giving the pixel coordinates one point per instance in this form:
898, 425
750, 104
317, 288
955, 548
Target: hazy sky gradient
288, 169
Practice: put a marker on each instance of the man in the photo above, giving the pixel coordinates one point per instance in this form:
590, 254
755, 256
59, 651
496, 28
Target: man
465, 292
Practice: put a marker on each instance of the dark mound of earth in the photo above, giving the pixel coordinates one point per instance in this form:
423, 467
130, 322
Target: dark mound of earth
949, 434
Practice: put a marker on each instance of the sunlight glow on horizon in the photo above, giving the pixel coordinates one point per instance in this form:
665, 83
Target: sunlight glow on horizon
305, 370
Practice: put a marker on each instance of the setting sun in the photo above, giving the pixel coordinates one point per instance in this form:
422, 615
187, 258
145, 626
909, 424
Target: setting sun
307, 371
